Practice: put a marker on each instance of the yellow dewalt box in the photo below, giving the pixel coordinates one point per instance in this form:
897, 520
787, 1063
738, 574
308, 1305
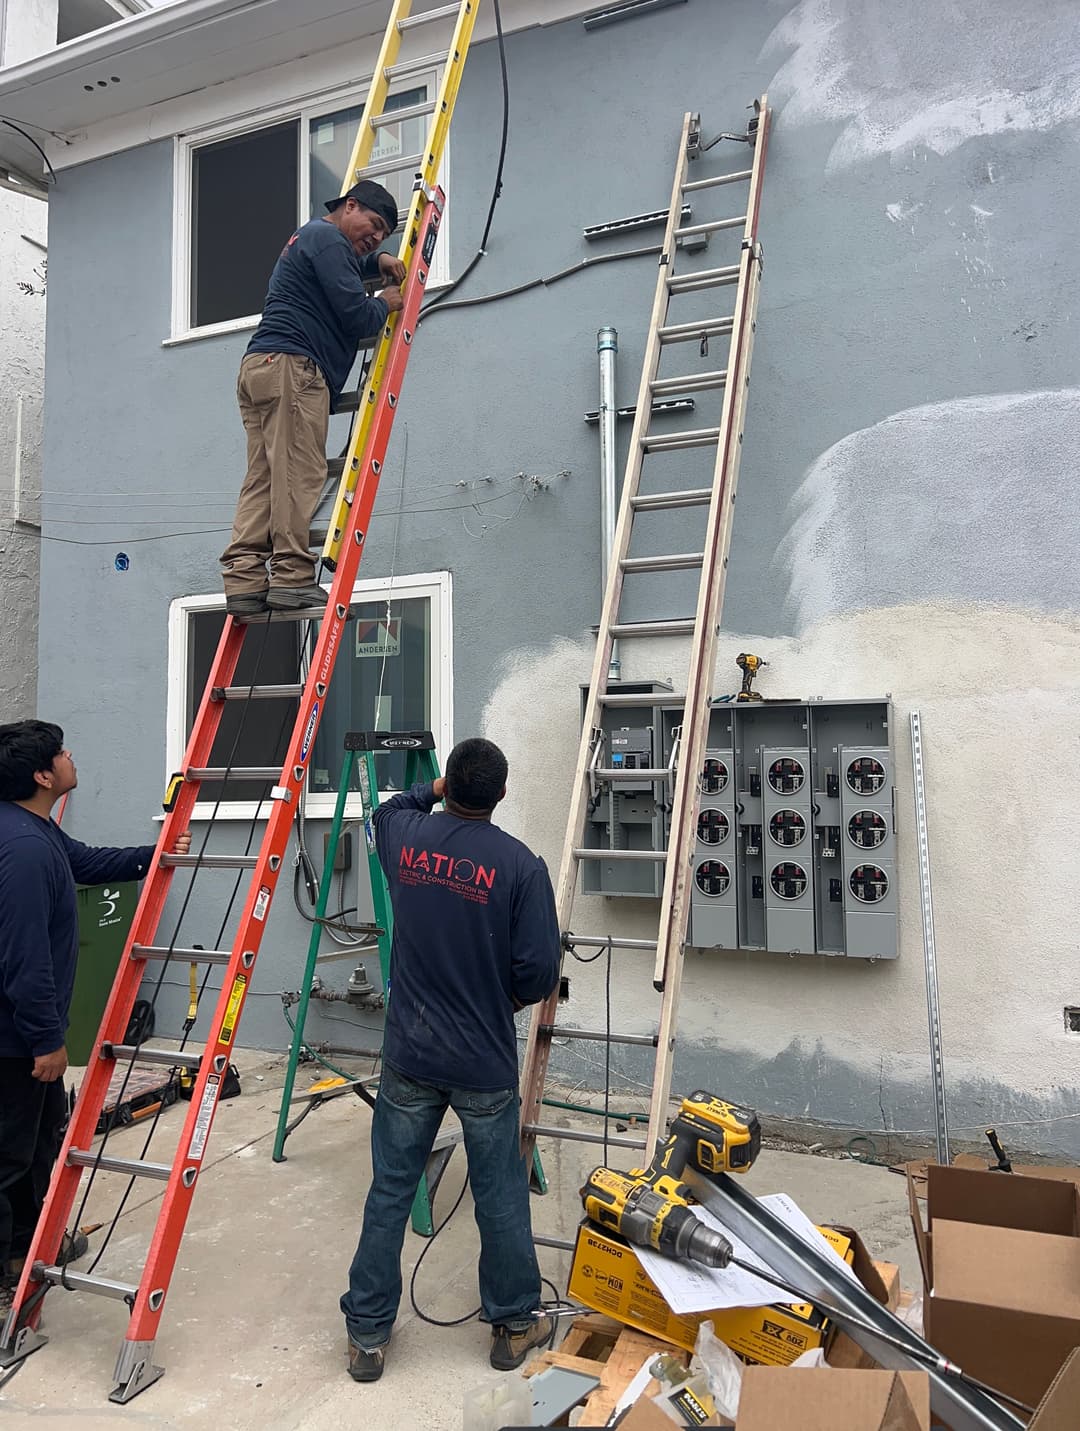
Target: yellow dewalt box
607, 1276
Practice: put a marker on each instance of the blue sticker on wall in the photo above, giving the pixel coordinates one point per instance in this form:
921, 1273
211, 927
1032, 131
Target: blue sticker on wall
121, 561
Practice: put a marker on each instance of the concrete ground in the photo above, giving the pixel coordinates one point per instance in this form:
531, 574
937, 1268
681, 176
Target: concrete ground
251, 1334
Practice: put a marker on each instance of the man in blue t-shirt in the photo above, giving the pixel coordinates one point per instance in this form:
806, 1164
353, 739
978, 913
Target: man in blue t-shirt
316, 315
39, 944
475, 938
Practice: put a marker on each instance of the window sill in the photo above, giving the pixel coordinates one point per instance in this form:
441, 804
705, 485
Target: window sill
213, 330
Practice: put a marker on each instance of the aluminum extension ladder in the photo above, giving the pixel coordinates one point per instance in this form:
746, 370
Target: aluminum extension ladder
362, 466
701, 628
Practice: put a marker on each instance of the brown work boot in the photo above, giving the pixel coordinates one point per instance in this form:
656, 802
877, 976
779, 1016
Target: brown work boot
509, 1348
366, 1365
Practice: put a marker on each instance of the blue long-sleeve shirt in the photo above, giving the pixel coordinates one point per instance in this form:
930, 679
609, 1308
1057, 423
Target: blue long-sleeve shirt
317, 304
39, 925
475, 931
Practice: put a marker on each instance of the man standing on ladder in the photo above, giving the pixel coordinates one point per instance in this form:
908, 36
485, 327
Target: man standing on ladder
317, 313
39, 945
475, 938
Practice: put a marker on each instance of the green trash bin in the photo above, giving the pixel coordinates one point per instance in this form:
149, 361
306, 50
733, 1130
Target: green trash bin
105, 915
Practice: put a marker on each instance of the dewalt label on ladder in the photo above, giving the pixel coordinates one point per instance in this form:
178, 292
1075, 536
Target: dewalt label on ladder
232, 1011
197, 1146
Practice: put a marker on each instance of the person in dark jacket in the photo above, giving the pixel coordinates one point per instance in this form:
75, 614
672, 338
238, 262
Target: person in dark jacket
475, 938
316, 315
39, 944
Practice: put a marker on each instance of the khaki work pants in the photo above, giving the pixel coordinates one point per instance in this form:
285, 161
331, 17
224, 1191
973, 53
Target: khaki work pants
285, 407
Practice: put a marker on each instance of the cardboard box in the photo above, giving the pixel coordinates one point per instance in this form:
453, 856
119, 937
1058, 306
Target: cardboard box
607, 1276
1000, 1258
780, 1399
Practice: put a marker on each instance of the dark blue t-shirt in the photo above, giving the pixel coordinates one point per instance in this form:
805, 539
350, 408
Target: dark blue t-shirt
475, 931
317, 304
39, 925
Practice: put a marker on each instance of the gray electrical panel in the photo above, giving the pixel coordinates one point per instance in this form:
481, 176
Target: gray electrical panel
795, 849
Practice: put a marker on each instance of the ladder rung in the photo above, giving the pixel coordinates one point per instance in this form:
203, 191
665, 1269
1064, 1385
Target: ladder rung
445, 12
596, 941
236, 772
705, 278
675, 561
308, 613
256, 693
407, 111
211, 862
677, 626
697, 384
663, 501
641, 856
711, 227
391, 166
83, 1282
422, 62
335, 466
717, 179
670, 700
676, 441
620, 772
645, 1040
348, 402
134, 1167
182, 956
141, 1054
689, 332
614, 1140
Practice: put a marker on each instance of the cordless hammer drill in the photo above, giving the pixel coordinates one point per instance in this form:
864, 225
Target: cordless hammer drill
649, 1206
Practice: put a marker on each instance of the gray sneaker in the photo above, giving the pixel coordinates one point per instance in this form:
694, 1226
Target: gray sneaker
246, 605
509, 1348
296, 598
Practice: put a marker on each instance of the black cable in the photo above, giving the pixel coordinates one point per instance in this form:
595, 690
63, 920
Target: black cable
440, 298
30, 140
591, 262
434, 1321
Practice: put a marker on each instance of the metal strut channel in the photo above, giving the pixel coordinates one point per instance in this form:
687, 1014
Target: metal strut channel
962, 1407
937, 1060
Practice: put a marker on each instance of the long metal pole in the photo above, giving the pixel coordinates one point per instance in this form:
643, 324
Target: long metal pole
937, 1062
607, 346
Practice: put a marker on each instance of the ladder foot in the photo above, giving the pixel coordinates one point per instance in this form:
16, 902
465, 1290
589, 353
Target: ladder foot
134, 1372
25, 1341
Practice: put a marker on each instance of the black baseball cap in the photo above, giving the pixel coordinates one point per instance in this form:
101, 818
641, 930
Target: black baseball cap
372, 196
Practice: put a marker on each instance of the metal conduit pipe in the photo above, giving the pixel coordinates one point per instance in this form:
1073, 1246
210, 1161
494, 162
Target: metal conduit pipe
607, 346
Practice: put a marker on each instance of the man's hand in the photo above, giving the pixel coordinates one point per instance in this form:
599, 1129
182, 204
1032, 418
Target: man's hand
438, 787
393, 299
182, 844
48, 1067
390, 266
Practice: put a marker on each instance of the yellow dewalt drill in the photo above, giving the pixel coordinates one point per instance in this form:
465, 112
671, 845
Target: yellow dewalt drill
652, 1217
649, 1206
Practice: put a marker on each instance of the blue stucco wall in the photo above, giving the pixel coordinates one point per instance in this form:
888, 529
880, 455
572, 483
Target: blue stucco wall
910, 446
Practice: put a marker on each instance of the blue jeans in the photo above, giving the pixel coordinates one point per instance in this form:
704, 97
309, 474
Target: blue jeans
406, 1119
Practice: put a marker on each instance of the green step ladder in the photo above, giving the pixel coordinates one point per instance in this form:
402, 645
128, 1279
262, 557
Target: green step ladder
361, 748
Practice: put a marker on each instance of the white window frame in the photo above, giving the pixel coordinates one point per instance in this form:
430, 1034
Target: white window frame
437, 586
306, 110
